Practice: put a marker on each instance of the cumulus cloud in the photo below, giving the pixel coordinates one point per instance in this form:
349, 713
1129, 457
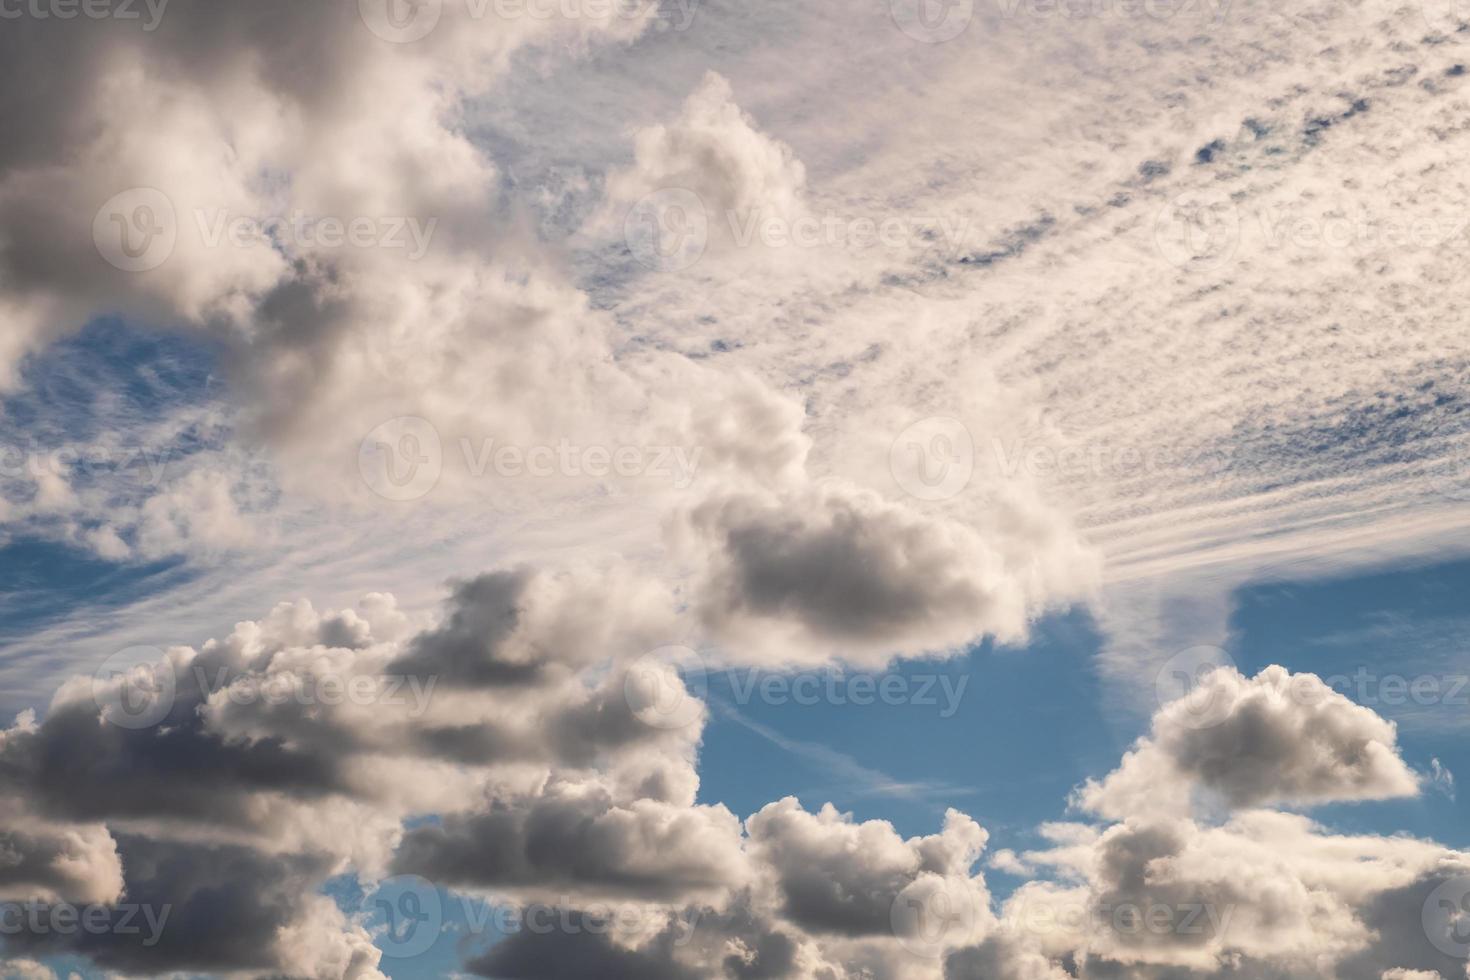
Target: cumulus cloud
834, 572
576, 837
1271, 739
235, 805
837, 876
710, 172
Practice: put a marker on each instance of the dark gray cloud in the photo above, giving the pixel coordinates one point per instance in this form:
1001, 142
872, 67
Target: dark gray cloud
195, 907
582, 954
469, 648
579, 838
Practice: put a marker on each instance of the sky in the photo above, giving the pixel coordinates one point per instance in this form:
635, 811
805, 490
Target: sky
683, 489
